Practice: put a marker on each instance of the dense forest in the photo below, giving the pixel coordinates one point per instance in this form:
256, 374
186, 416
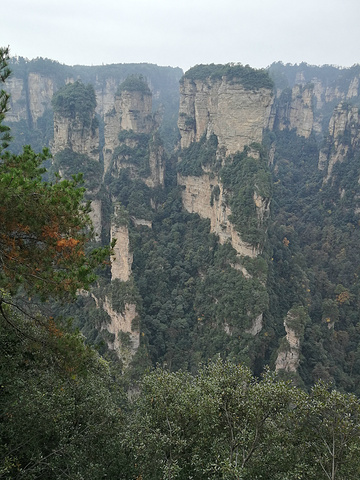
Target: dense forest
227, 364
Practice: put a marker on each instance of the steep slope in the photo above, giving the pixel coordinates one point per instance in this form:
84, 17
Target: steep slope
243, 243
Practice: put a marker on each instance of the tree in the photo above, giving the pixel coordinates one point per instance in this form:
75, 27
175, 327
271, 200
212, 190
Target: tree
220, 424
44, 227
332, 433
59, 405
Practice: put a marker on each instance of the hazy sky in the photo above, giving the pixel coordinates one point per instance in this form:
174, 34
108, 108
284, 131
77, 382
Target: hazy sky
184, 32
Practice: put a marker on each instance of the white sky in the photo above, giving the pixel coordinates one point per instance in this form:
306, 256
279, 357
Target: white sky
184, 32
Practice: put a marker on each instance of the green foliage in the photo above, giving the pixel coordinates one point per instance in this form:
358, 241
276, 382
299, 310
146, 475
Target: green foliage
249, 78
134, 83
75, 100
59, 404
134, 149
198, 155
223, 423
71, 163
313, 236
244, 176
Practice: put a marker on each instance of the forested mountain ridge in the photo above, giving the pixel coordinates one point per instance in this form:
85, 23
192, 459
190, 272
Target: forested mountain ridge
241, 242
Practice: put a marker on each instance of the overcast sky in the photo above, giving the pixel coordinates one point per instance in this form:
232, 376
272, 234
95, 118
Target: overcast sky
184, 33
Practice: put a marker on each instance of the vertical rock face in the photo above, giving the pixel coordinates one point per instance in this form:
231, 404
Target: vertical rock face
121, 322
198, 198
126, 125
297, 112
18, 99
74, 135
344, 134
41, 91
122, 260
136, 111
288, 357
236, 115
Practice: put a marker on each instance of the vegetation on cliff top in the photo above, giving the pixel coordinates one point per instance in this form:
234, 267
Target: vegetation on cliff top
134, 83
249, 78
76, 100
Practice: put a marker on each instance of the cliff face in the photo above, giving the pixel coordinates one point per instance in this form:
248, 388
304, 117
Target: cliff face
288, 357
30, 98
343, 136
121, 322
237, 116
74, 135
129, 124
295, 111
198, 197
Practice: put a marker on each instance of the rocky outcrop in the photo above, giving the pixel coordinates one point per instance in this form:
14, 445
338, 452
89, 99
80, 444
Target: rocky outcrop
29, 99
122, 260
18, 99
237, 116
256, 326
294, 110
120, 324
41, 89
136, 111
288, 357
156, 165
131, 112
344, 134
74, 135
198, 197
95, 215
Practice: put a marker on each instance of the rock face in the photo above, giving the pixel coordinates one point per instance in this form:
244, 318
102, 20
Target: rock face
41, 90
122, 260
132, 112
122, 323
18, 99
344, 134
288, 358
297, 111
73, 135
198, 198
31, 98
129, 111
237, 116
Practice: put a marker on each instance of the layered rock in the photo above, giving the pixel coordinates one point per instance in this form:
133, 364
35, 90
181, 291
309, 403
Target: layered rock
126, 123
343, 135
288, 357
41, 89
18, 99
236, 115
74, 135
298, 112
122, 260
131, 110
198, 197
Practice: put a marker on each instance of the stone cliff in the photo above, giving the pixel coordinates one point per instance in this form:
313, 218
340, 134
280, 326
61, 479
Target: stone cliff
236, 115
129, 124
343, 136
288, 357
74, 135
198, 197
